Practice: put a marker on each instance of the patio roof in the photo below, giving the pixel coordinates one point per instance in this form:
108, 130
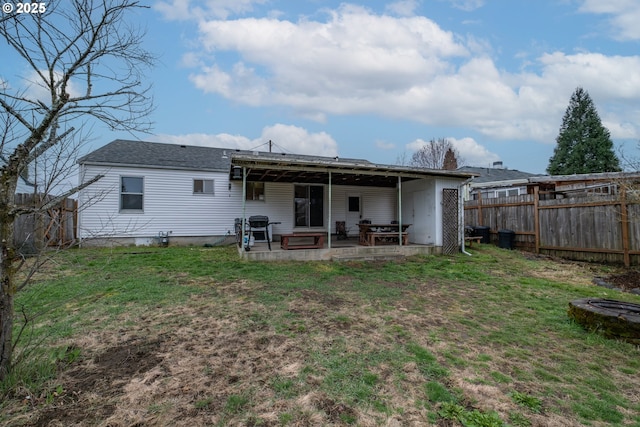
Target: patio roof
282, 167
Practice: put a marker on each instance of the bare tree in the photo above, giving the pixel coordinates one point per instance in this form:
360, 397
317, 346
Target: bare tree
437, 154
83, 61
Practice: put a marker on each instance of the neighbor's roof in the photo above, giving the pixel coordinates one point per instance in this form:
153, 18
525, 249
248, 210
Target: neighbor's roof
261, 166
496, 175
601, 176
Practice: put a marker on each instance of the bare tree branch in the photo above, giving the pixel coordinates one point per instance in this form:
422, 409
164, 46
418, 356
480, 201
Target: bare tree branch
84, 60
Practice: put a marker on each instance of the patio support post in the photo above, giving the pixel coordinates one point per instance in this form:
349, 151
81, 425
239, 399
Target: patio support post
329, 215
244, 205
400, 210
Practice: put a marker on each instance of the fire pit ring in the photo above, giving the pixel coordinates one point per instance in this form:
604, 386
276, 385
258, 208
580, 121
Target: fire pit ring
613, 319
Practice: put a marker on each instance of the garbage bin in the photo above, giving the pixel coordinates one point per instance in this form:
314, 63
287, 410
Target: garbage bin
506, 239
484, 232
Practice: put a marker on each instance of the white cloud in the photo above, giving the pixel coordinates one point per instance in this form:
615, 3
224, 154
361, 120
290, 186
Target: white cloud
35, 87
220, 9
471, 153
625, 15
467, 5
357, 62
290, 139
383, 145
353, 58
403, 7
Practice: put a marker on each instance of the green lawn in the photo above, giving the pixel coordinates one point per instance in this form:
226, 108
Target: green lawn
195, 336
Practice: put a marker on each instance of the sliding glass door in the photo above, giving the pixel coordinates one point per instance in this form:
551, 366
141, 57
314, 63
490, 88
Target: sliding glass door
309, 205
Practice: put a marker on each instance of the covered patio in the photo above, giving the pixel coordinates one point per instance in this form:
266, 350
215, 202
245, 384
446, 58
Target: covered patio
322, 211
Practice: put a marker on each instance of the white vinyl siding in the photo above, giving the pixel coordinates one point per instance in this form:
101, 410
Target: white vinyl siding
171, 205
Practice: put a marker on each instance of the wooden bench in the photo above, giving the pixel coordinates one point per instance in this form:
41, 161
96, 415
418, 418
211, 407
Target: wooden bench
318, 241
472, 239
386, 237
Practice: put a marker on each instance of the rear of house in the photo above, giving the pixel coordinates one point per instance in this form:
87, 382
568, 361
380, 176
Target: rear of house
194, 194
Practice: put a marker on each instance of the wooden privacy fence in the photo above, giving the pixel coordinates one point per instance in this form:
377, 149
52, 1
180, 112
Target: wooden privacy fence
55, 227
591, 227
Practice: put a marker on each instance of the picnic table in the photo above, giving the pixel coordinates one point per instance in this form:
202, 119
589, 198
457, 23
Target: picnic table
372, 234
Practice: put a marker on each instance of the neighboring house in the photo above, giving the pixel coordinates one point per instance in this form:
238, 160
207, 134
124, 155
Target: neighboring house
195, 193
604, 183
495, 182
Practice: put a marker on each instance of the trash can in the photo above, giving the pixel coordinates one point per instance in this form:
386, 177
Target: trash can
506, 239
484, 232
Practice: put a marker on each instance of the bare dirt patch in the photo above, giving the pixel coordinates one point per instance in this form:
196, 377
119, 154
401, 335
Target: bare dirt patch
627, 281
105, 376
226, 357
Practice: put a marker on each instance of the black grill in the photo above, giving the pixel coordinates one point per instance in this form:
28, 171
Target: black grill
260, 223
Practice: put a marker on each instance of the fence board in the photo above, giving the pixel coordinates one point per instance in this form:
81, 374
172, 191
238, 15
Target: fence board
56, 227
590, 227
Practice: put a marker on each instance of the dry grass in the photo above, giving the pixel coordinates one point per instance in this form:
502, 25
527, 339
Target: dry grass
339, 351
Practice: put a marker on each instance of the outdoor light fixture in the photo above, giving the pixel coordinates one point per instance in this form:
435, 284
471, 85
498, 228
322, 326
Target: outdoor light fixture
237, 172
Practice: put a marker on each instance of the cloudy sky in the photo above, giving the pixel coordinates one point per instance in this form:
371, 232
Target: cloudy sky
375, 80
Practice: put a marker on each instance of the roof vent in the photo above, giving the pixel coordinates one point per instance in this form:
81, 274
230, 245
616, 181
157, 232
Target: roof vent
183, 146
224, 154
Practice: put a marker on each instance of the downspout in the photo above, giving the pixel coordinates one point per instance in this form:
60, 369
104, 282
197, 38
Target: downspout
461, 215
329, 215
244, 206
400, 210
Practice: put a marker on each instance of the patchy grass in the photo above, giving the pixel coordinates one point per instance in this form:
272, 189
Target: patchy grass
195, 336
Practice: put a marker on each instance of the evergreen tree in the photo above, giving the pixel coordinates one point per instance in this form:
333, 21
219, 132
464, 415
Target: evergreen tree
583, 145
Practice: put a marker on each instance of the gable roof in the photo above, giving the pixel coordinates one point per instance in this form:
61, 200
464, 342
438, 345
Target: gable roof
262, 166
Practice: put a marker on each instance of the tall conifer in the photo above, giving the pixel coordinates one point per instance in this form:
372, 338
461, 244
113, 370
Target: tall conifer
583, 145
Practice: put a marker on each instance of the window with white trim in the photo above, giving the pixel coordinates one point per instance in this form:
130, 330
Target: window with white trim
131, 194
202, 186
255, 191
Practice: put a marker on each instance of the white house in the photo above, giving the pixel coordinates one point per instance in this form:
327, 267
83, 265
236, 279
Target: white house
497, 181
194, 194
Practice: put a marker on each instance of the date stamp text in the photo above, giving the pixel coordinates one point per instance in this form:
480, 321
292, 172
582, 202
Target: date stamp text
33, 8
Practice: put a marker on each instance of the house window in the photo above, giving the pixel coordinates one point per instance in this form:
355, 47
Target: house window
202, 186
131, 193
514, 192
354, 204
255, 191
309, 205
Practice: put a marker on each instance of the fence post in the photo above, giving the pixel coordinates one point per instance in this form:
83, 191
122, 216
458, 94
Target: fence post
624, 223
536, 213
479, 208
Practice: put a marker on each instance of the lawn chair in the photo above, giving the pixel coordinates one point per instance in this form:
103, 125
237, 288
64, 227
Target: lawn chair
342, 232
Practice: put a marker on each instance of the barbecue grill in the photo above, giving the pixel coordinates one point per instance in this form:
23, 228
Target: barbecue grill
260, 223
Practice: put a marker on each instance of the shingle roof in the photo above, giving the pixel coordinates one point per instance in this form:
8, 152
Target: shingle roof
144, 154
152, 154
495, 174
